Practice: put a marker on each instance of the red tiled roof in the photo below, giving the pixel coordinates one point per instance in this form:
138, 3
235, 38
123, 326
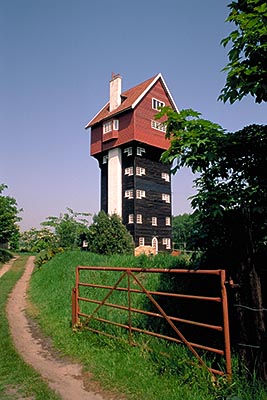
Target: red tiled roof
129, 99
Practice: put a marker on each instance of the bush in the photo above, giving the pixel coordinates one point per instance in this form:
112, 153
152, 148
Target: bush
46, 255
5, 255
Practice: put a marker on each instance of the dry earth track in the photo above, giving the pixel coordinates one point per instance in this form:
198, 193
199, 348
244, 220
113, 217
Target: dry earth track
62, 376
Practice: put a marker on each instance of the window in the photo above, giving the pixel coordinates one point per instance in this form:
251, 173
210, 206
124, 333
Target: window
166, 242
155, 244
139, 219
141, 241
107, 127
140, 151
105, 159
158, 125
154, 221
129, 151
128, 171
129, 194
140, 171
115, 124
156, 104
140, 194
111, 125
168, 221
130, 219
165, 176
166, 197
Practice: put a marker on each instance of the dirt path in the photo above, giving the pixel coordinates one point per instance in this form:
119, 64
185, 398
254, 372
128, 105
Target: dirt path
7, 266
63, 377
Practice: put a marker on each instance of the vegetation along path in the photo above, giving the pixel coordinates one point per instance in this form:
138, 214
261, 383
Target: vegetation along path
63, 377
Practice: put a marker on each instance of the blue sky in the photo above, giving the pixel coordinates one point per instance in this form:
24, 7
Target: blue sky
57, 57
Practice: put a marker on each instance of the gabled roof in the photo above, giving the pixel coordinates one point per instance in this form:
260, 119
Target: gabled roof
130, 98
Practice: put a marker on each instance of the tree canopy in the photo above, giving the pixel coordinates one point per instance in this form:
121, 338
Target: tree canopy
231, 201
9, 230
247, 67
107, 235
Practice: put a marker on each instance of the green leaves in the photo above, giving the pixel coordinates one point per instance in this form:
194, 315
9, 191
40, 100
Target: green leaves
247, 67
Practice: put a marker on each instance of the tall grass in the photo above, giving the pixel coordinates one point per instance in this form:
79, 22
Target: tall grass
17, 379
154, 370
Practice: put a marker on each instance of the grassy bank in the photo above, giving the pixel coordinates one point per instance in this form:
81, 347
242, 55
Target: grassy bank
17, 379
135, 371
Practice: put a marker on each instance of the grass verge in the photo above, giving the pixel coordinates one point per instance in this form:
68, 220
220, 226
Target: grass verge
17, 379
136, 372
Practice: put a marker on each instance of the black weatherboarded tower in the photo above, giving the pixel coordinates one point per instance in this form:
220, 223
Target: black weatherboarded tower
128, 142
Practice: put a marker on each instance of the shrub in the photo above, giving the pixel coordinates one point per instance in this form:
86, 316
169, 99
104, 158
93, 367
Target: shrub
5, 255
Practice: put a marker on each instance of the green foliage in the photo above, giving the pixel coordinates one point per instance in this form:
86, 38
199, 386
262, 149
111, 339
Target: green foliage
9, 231
46, 255
5, 255
183, 228
17, 379
193, 140
247, 67
68, 228
107, 235
35, 240
152, 371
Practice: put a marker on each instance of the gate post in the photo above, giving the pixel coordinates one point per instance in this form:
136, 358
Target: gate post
226, 331
74, 307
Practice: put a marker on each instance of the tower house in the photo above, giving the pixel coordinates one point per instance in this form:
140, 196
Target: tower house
128, 142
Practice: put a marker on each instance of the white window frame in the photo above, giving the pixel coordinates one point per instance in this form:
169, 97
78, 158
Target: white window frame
129, 194
141, 241
115, 124
166, 197
128, 150
167, 243
140, 171
154, 221
154, 244
139, 219
107, 126
165, 176
156, 104
140, 151
168, 221
128, 171
159, 126
130, 219
140, 194
105, 159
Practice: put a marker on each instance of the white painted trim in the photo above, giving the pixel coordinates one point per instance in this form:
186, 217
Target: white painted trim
159, 76
114, 182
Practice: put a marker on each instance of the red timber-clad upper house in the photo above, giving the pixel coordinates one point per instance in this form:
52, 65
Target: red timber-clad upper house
128, 142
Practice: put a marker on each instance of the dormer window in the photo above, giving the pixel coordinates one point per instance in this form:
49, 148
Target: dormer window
115, 124
156, 104
107, 127
111, 125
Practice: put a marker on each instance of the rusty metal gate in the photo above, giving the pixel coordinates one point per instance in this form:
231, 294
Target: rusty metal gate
133, 282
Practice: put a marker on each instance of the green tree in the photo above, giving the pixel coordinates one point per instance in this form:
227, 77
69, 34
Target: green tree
9, 230
247, 67
36, 240
231, 200
68, 227
107, 235
183, 228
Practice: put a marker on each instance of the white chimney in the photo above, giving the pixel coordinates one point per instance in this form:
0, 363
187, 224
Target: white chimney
114, 92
